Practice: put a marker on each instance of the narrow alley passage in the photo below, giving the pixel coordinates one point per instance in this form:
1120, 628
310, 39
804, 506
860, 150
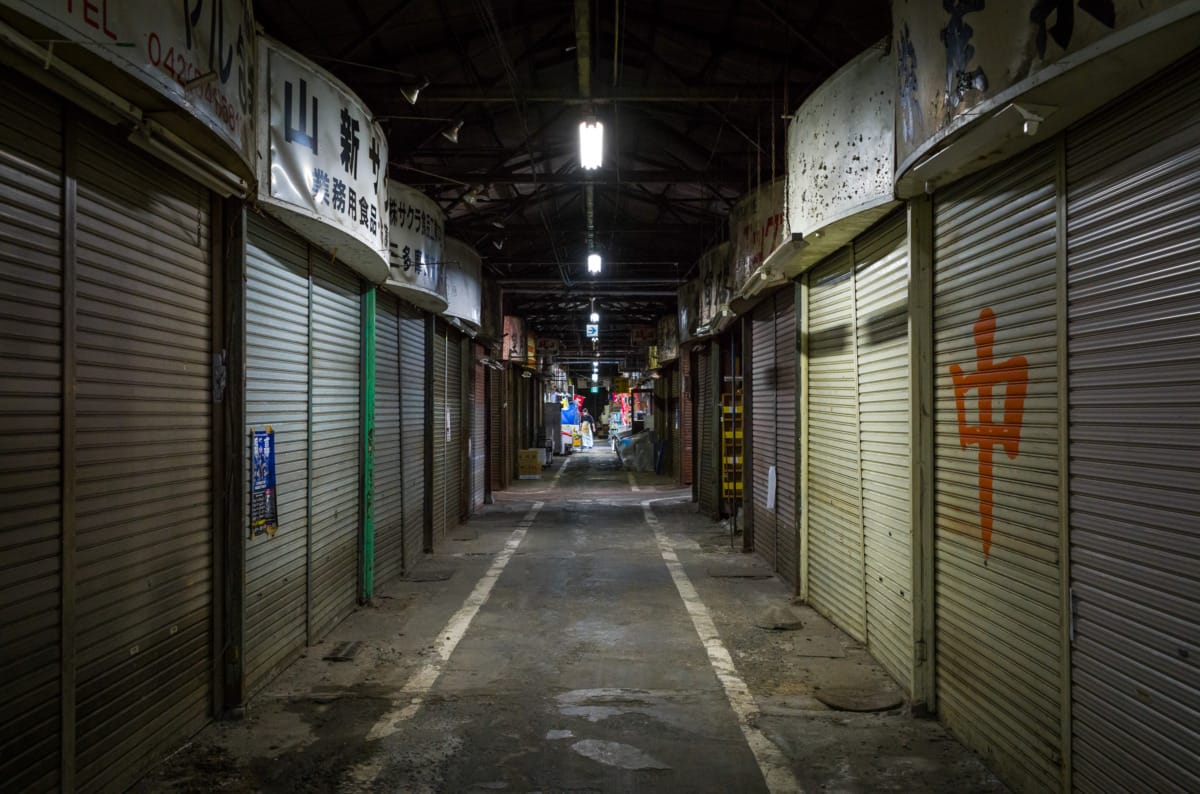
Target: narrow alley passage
549, 649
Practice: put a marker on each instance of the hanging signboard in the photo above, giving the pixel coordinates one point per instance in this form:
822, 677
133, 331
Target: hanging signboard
689, 309
593, 331
513, 348
463, 269
264, 514
715, 289
324, 160
643, 335
547, 345
416, 245
621, 385
199, 56
668, 339
757, 226
530, 350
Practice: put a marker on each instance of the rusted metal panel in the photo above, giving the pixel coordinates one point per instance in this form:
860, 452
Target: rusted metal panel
834, 498
336, 413
31, 436
998, 569
144, 419
1133, 215
414, 369
277, 394
389, 484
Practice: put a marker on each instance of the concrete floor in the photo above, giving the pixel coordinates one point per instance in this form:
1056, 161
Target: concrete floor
558, 648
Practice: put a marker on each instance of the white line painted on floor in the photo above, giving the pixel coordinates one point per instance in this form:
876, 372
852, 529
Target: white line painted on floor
775, 767
633, 483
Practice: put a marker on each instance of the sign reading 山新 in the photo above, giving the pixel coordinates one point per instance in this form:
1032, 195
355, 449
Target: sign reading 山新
197, 53
326, 160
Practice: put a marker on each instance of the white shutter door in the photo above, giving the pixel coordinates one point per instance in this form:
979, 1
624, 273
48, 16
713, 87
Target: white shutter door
1133, 255
336, 341
786, 439
835, 565
763, 428
707, 450
389, 477
414, 375
31, 360
456, 439
440, 448
479, 420
881, 311
144, 419
998, 593
275, 616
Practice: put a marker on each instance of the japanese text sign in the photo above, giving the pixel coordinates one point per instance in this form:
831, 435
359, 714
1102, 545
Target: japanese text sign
416, 239
463, 271
264, 514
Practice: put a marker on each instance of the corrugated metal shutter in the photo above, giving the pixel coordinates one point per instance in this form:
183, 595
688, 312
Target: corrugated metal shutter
389, 476
336, 341
277, 344
495, 447
456, 441
144, 456
763, 430
998, 604
707, 450
31, 357
687, 375
676, 425
786, 439
836, 587
881, 309
1133, 243
414, 377
479, 422
440, 417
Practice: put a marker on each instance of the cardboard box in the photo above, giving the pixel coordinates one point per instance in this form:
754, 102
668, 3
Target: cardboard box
529, 464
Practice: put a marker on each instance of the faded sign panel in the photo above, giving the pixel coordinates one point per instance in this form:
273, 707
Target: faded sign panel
463, 270
197, 53
953, 55
416, 242
688, 309
514, 338
668, 339
841, 143
715, 283
757, 226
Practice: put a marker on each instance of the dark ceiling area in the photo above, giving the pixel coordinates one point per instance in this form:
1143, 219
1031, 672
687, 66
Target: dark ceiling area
693, 97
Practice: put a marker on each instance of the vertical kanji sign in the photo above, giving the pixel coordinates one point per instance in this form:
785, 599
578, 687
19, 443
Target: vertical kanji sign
264, 515
989, 433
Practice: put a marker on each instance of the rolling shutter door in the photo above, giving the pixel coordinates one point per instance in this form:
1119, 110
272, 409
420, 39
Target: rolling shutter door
389, 477
478, 432
455, 441
881, 309
336, 340
836, 587
277, 345
31, 358
785, 434
495, 447
763, 431
706, 451
144, 461
676, 423
414, 375
439, 432
687, 414
997, 593
1133, 215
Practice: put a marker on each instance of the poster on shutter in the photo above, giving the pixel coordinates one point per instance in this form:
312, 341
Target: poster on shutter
416, 247
668, 339
264, 515
463, 270
199, 54
757, 227
326, 161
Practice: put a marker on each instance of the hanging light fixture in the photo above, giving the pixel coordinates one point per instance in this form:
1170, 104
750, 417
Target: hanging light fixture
594, 316
593, 263
412, 91
451, 133
591, 144
595, 377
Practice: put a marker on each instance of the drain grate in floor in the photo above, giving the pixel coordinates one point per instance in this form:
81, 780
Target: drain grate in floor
343, 651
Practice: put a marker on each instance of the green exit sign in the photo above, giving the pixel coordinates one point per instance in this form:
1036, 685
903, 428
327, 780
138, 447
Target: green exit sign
595, 390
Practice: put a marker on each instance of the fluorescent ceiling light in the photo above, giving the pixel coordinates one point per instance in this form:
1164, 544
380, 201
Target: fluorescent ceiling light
591, 144
593, 263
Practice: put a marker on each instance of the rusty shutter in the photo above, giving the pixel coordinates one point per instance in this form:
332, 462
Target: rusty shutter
1133, 244
786, 438
456, 439
144, 427
763, 431
441, 416
277, 394
388, 486
997, 590
334, 483
479, 423
834, 498
881, 327
414, 427
31, 436
706, 448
